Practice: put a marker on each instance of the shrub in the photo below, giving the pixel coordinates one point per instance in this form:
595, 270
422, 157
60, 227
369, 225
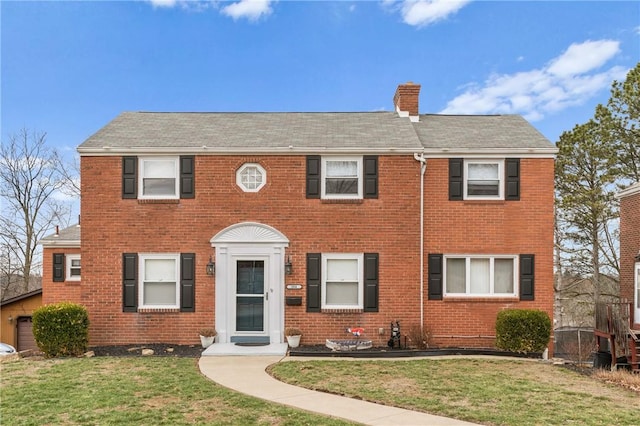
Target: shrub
523, 330
419, 337
61, 329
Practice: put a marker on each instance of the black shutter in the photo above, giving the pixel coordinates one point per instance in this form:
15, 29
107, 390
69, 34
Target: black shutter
187, 282
314, 284
58, 267
370, 176
313, 176
129, 282
527, 269
371, 282
187, 176
456, 179
435, 277
129, 177
512, 179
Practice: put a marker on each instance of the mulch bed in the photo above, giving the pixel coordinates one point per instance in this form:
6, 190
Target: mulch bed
159, 349
195, 351
386, 352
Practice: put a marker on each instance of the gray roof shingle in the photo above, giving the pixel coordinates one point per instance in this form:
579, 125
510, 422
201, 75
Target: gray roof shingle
478, 132
66, 236
255, 132
311, 132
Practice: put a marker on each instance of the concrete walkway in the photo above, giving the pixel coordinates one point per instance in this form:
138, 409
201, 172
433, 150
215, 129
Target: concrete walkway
246, 374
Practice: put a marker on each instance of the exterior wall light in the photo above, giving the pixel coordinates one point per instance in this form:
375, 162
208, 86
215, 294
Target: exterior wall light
288, 267
211, 267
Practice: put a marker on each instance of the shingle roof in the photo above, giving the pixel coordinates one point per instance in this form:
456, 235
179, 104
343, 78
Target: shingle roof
312, 132
255, 132
478, 132
67, 237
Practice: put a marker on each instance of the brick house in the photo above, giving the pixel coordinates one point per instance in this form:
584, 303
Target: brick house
630, 248
253, 222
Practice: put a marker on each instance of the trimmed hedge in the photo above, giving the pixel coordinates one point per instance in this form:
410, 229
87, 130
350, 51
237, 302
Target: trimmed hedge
61, 329
523, 330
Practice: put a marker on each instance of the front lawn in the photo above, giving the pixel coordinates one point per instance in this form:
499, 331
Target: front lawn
487, 391
130, 390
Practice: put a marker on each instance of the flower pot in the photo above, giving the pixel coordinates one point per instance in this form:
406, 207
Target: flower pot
294, 341
207, 341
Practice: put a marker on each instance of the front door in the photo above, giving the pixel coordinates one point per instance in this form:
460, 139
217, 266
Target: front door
249, 283
636, 314
250, 294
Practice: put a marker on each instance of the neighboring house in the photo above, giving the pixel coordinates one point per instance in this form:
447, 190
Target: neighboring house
250, 222
15, 317
630, 248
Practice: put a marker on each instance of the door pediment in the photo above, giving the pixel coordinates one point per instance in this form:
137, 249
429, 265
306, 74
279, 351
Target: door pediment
249, 232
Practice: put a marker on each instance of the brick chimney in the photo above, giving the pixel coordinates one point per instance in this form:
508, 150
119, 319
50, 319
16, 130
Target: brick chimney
406, 100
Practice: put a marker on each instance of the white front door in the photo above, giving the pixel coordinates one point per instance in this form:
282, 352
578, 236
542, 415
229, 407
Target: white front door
249, 283
636, 314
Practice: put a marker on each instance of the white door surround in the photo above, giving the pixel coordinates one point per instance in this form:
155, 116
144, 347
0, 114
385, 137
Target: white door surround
243, 241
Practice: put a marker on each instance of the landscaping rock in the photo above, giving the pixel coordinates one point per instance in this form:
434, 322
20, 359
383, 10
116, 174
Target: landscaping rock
147, 352
89, 354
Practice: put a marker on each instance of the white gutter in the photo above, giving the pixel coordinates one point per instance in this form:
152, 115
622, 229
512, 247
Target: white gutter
423, 169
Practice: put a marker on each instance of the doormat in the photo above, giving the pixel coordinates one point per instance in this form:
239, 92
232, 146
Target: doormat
252, 344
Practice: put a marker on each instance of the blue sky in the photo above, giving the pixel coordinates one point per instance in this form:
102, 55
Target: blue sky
68, 68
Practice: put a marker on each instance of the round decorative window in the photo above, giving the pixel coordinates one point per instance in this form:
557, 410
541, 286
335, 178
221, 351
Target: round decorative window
251, 177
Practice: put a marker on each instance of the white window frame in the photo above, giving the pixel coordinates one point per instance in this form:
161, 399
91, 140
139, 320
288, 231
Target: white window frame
141, 275
69, 260
244, 167
501, 181
491, 292
142, 161
359, 175
347, 256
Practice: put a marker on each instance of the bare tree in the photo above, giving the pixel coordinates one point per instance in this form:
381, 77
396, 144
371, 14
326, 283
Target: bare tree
30, 175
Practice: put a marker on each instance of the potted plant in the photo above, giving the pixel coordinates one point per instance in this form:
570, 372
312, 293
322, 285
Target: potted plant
207, 336
293, 335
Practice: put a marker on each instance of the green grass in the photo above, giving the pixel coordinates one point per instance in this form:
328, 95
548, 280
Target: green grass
495, 392
136, 390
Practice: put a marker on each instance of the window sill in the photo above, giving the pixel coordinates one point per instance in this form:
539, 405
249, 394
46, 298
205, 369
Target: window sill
153, 201
342, 311
485, 202
158, 310
482, 299
341, 201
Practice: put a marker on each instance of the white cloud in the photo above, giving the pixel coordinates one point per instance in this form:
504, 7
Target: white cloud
163, 3
420, 13
249, 9
568, 80
583, 57
190, 5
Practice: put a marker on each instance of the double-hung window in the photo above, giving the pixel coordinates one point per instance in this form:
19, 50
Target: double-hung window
159, 281
158, 178
73, 267
484, 179
342, 281
342, 177
480, 275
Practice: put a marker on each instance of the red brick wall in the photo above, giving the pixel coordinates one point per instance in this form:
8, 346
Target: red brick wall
53, 292
489, 227
629, 244
112, 226
388, 225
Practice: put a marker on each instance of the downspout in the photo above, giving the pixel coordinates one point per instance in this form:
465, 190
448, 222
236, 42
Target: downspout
423, 169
